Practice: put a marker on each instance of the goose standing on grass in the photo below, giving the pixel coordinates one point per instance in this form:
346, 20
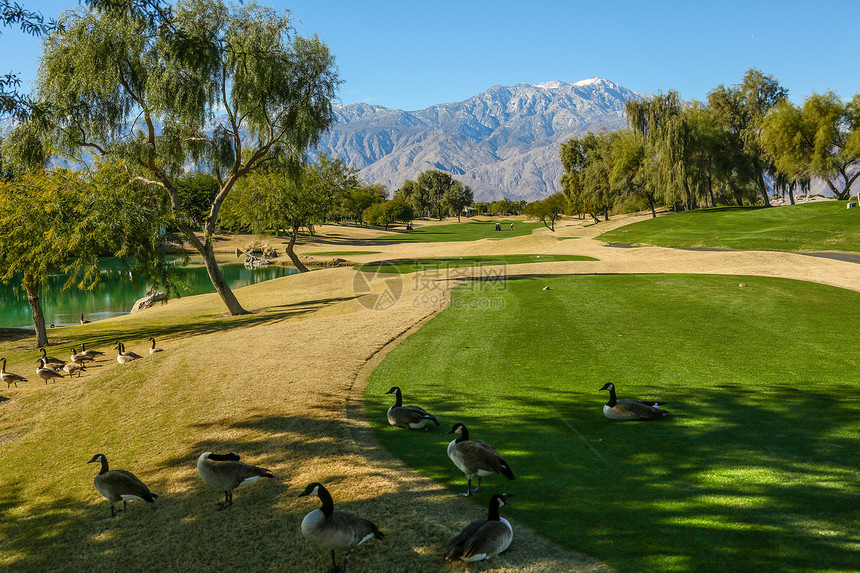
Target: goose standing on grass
225, 472
408, 416
71, 367
84, 321
119, 485
80, 358
153, 349
122, 356
90, 353
46, 373
8, 377
335, 529
483, 538
630, 409
51, 361
475, 458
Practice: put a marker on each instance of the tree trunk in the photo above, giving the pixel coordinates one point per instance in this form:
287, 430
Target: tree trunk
207, 252
606, 213
218, 281
31, 285
292, 254
791, 193
596, 220
651, 204
711, 190
762, 186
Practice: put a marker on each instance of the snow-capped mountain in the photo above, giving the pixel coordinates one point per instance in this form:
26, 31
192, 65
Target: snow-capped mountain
503, 142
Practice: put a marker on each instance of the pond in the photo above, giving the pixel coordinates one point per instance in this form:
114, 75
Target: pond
117, 292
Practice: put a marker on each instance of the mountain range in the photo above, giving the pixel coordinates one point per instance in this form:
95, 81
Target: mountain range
504, 142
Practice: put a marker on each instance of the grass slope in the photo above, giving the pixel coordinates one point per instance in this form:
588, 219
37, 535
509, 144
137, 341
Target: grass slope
820, 226
756, 469
404, 266
471, 231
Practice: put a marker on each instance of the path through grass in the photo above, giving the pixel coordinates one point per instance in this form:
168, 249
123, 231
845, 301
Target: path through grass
820, 226
758, 467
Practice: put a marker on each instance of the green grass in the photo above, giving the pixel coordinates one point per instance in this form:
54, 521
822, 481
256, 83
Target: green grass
343, 253
442, 263
821, 226
755, 470
471, 231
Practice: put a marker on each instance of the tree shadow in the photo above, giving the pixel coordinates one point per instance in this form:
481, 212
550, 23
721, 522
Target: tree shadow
259, 532
731, 480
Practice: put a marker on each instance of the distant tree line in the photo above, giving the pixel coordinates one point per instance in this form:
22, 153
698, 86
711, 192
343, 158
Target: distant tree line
746, 143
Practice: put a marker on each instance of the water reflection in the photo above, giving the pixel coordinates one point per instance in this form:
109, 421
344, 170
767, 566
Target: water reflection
117, 292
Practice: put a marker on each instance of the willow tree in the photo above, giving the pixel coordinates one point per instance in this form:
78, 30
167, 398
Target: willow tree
435, 183
741, 109
228, 88
279, 199
62, 221
821, 139
586, 183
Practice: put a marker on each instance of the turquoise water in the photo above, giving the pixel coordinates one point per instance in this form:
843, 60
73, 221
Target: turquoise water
117, 292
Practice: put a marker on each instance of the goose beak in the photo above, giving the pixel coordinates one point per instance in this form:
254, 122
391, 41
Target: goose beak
451, 431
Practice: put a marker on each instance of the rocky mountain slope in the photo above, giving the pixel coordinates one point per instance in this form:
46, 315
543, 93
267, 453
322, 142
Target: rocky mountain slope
503, 143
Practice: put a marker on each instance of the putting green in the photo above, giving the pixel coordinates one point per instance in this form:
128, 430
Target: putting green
755, 470
821, 226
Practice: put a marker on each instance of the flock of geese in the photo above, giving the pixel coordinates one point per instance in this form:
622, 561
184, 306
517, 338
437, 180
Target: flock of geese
335, 529
51, 368
342, 531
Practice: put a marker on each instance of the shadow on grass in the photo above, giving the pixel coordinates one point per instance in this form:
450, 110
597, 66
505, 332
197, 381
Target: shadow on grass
103, 335
184, 531
732, 480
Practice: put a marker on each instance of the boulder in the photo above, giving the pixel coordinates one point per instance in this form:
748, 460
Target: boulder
147, 301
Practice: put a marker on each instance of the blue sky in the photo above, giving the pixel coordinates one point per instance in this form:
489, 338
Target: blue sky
410, 55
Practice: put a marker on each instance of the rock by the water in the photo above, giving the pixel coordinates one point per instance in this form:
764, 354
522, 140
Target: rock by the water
147, 301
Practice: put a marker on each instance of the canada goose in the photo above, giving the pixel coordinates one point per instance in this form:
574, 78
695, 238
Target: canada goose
153, 349
630, 409
46, 373
408, 416
91, 353
483, 538
225, 472
119, 485
51, 360
335, 529
122, 356
71, 367
84, 321
8, 377
80, 358
475, 457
